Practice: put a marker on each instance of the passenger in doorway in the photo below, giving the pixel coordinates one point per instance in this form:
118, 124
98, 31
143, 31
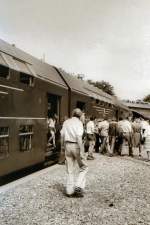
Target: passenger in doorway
90, 132
103, 127
71, 139
52, 130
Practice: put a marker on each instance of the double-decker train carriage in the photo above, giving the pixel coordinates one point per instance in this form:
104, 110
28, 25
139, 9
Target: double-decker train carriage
31, 93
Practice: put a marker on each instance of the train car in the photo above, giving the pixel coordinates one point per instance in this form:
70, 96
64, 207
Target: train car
88, 98
33, 93
30, 92
78, 96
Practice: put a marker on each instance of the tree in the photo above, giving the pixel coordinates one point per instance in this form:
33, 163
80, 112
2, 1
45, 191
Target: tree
104, 86
146, 98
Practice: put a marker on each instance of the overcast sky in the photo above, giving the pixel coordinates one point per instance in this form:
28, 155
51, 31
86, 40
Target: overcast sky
102, 39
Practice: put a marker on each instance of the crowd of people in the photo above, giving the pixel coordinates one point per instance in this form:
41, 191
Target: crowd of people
111, 137
102, 135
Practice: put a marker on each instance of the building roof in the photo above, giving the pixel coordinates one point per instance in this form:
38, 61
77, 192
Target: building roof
142, 114
17, 59
137, 105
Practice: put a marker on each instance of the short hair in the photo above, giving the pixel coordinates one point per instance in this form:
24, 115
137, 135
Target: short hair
77, 113
92, 118
124, 117
105, 117
114, 118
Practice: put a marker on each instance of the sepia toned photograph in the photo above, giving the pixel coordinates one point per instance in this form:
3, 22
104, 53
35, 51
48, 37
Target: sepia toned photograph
74, 112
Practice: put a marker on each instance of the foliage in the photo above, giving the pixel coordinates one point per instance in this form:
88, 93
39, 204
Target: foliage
146, 98
104, 86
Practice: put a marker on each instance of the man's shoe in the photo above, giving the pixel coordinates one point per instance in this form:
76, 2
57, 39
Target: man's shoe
61, 163
70, 195
90, 157
78, 192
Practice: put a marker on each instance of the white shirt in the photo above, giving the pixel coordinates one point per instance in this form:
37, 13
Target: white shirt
90, 128
51, 123
104, 127
72, 128
144, 125
147, 131
125, 126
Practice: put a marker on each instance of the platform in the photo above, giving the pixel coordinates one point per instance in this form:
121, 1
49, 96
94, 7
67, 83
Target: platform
117, 193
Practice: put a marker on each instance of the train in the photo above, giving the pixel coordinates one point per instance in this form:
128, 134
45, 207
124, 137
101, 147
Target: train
31, 91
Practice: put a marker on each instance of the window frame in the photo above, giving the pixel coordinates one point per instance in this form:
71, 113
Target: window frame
28, 135
31, 79
5, 136
8, 75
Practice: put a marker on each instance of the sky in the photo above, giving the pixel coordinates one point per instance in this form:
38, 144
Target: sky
102, 39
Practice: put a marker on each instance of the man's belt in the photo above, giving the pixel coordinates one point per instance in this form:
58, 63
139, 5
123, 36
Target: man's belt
71, 142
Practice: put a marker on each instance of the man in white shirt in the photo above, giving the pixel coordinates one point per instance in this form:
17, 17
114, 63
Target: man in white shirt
125, 134
144, 125
124, 126
90, 131
71, 140
103, 128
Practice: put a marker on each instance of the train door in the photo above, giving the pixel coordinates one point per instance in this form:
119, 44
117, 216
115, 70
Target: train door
81, 105
53, 117
53, 105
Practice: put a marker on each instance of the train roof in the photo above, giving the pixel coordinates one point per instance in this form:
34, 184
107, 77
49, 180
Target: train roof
75, 84
83, 87
19, 60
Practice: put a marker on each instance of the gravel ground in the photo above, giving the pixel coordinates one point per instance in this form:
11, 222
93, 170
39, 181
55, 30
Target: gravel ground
117, 193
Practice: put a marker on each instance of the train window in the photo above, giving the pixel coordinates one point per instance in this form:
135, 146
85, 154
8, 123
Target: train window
25, 137
4, 71
27, 79
80, 105
97, 101
4, 142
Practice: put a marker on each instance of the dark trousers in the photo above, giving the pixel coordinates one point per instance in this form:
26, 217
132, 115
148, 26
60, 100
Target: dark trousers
97, 142
105, 147
127, 137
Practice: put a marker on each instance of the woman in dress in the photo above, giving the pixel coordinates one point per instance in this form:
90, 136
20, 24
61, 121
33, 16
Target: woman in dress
136, 137
147, 140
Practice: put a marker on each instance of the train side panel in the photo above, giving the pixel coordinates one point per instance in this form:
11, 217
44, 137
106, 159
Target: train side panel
23, 121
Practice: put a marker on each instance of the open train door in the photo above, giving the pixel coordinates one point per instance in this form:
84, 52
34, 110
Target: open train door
53, 137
